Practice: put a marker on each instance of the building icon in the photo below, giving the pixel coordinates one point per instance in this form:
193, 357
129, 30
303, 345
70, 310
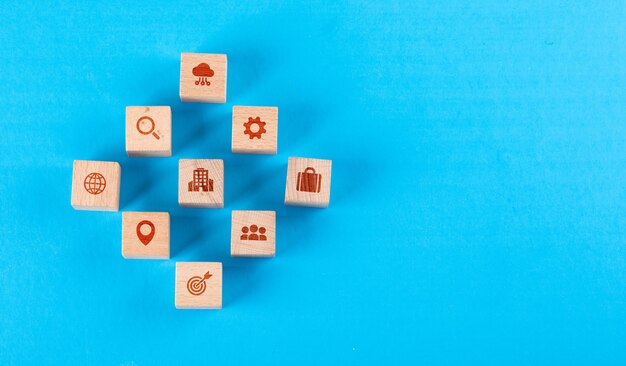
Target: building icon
200, 181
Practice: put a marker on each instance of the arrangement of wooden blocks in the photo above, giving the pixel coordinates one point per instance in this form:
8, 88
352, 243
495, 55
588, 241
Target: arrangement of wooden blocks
146, 235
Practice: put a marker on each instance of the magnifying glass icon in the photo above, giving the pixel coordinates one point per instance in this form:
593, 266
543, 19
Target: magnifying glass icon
150, 130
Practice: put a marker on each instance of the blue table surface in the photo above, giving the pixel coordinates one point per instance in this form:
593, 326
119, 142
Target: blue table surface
478, 207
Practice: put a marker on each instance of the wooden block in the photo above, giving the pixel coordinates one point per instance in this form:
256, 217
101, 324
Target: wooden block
96, 185
255, 130
149, 131
203, 77
308, 182
201, 183
198, 285
253, 234
146, 235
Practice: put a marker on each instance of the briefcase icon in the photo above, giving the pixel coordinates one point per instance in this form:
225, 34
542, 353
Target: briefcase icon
309, 181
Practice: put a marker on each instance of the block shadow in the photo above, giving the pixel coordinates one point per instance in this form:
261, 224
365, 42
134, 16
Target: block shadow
195, 235
257, 185
294, 222
242, 278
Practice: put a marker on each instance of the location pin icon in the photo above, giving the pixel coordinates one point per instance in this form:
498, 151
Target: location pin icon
145, 239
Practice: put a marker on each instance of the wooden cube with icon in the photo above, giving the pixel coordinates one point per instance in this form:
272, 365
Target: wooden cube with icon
255, 130
198, 285
149, 131
201, 183
253, 234
96, 185
308, 182
146, 235
203, 77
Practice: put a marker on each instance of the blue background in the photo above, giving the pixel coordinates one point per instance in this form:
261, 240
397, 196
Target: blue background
477, 205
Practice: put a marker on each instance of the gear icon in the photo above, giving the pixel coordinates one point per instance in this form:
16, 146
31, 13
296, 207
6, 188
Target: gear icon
259, 130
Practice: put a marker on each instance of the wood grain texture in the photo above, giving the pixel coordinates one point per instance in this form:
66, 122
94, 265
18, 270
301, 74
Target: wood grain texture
248, 138
156, 242
140, 121
190, 91
308, 182
242, 230
109, 197
200, 198
207, 292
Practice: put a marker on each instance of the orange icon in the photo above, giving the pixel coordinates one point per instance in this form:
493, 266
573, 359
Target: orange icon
196, 285
309, 181
200, 181
145, 239
258, 131
203, 71
253, 233
95, 183
150, 130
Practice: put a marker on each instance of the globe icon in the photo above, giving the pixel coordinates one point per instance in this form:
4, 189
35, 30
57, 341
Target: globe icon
95, 183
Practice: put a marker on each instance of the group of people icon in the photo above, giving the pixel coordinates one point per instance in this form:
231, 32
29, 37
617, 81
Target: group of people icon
251, 233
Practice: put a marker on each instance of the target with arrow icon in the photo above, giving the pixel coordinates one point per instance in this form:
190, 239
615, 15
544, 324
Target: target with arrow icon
196, 285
